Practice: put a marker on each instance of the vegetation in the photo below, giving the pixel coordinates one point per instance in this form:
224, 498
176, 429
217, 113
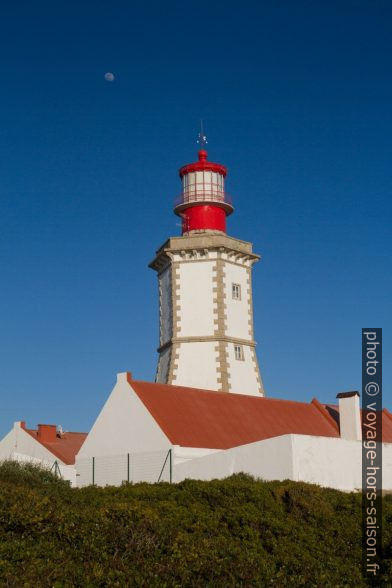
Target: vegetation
234, 532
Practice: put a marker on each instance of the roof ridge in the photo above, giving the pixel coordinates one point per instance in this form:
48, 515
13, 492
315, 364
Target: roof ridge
336, 407
321, 408
387, 413
220, 392
59, 435
56, 447
55, 450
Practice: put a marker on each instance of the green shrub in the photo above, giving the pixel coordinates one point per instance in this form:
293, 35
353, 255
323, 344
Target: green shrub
28, 473
223, 533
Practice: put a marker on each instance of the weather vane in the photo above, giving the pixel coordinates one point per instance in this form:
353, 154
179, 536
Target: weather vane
202, 138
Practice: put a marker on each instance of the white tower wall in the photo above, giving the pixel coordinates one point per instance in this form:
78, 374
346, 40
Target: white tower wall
206, 314
243, 374
197, 365
195, 293
238, 309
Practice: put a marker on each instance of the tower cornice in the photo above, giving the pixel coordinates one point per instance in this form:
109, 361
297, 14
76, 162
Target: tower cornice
196, 247
212, 338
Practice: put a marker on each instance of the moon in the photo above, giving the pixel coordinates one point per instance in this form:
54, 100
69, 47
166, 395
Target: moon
109, 76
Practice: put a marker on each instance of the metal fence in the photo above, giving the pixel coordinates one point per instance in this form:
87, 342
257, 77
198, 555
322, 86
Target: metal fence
113, 470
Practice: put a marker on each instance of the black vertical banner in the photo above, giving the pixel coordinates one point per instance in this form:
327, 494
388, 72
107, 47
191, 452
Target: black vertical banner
372, 454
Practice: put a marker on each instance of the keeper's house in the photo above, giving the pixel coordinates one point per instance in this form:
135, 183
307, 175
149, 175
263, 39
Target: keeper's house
47, 445
151, 431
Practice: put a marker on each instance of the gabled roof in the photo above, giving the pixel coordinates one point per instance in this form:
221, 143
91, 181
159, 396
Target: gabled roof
200, 418
65, 447
191, 417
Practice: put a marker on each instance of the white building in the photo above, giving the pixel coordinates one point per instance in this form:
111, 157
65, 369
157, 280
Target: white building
151, 432
47, 445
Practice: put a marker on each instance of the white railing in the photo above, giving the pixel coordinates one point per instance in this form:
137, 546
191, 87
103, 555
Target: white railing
189, 196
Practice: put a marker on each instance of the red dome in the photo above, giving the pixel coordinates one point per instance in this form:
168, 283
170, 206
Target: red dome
203, 164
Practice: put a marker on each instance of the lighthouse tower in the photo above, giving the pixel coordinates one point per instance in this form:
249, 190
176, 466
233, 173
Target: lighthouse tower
205, 291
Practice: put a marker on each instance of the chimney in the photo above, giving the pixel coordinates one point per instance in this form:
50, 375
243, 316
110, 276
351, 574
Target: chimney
19, 424
350, 416
124, 377
47, 433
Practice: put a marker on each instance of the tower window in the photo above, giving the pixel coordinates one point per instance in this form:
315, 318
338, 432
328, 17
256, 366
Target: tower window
239, 352
236, 291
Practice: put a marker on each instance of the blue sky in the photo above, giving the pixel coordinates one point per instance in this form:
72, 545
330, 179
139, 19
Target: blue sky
296, 101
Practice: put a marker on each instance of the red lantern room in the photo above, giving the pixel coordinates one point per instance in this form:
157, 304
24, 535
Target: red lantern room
203, 204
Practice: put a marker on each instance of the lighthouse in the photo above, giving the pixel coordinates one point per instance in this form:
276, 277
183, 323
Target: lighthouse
206, 335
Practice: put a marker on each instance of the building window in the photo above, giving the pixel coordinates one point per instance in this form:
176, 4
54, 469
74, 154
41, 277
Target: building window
239, 352
236, 291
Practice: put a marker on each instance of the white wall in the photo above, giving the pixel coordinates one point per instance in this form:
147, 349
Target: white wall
350, 417
18, 445
242, 374
124, 425
270, 460
184, 454
196, 299
335, 462
19, 441
238, 311
197, 365
326, 461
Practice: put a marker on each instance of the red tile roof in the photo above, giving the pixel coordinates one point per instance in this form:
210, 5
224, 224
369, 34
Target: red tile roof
386, 426
65, 447
200, 418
